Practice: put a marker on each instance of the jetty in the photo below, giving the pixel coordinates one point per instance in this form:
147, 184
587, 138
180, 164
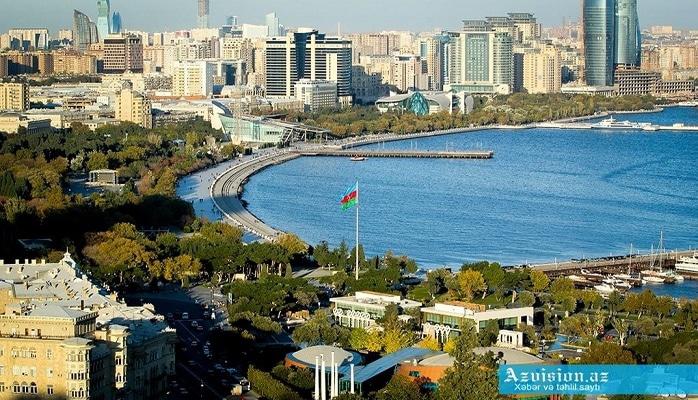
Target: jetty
357, 153
596, 126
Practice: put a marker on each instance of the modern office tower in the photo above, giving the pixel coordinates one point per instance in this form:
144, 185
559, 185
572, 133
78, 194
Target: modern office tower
203, 13
272, 22
599, 42
541, 70
310, 55
123, 53
14, 96
84, 31
628, 38
132, 106
481, 60
116, 27
31, 39
527, 27
232, 20
193, 78
103, 19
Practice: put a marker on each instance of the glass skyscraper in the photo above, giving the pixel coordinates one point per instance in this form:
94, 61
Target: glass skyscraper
84, 31
599, 41
116, 23
628, 37
103, 19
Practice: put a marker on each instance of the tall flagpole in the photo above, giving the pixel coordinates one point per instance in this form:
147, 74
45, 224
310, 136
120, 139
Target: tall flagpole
357, 231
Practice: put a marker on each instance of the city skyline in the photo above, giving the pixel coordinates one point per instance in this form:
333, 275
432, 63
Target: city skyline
182, 14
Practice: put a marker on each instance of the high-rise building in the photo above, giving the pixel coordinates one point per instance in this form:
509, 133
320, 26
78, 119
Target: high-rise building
103, 19
20, 63
526, 26
406, 73
232, 20
14, 96
203, 13
31, 38
43, 63
132, 106
272, 22
317, 95
628, 38
123, 53
3, 66
84, 31
481, 60
542, 70
431, 51
193, 79
116, 27
599, 42
310, 55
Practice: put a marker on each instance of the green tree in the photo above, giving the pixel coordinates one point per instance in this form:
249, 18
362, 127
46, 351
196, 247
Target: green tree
401, 388
607, 353
97, 161
319, 330
469, 283
361, 339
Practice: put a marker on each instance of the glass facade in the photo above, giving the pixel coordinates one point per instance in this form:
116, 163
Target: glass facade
103, 19
628, 38
599, 41
83, 31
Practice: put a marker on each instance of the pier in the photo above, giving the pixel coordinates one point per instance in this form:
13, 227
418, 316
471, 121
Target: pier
473, 155
613, 264
649, 128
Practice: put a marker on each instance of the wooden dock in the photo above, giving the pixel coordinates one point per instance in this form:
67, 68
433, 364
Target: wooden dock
357, 153
613, 264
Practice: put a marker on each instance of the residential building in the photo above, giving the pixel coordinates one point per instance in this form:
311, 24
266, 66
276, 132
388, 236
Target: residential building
203, 13
445, 320
84, 31
103, 19
542, 70
3, 66
628, 38
14, 96
432, 52
250, 31
635, 82
133, 106
367, 87
193, 79
481, 60
20, 63
316, 95
73, 62
599, 42
123, 53
310, 55
363, 308
662, 30
43, 63
406, 73
526, 27
65, 337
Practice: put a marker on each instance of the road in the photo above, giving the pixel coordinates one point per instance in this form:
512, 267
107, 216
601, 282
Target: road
199, 376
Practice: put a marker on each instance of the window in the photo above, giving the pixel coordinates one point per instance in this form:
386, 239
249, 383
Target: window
49, 354
16, 388
2, 387
2, 370
49, 372
414, 374
33, 389
49, 389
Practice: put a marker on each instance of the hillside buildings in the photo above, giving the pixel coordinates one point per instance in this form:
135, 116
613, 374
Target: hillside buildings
64, 337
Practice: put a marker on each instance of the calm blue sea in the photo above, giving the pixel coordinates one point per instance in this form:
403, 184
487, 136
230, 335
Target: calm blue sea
546, 195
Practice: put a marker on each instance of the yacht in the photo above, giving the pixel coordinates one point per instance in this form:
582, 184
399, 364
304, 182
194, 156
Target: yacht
605, 288
652, 279
612, 123
619, 283
688, 264
358, 159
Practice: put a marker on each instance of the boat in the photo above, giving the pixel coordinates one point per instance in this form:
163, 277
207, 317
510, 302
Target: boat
358, 159
688, 264
653, 280
612, 123
605, 288
621, 284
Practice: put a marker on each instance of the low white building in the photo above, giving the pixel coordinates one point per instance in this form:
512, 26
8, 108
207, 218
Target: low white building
316, 94
364, 308
446, 319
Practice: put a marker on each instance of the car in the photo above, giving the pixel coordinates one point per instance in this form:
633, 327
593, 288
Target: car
245, 385
185, 315
194, 324
191, 362
199, 328
194, 343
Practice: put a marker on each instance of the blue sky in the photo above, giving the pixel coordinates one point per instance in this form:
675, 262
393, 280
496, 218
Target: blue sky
354, 15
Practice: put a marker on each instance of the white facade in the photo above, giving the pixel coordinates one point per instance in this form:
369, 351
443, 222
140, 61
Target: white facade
193, 79
317, 94
362, 309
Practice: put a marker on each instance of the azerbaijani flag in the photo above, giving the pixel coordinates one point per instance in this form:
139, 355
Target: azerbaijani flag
351, 197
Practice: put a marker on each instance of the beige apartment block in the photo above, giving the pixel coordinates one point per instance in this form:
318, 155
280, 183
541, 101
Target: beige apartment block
14, 96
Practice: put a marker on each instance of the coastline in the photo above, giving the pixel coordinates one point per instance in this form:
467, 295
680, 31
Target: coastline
227, 187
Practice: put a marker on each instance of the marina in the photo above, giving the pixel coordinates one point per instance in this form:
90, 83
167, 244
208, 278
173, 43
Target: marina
614, 124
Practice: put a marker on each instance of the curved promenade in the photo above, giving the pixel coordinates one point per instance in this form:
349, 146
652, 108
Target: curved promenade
226, 189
